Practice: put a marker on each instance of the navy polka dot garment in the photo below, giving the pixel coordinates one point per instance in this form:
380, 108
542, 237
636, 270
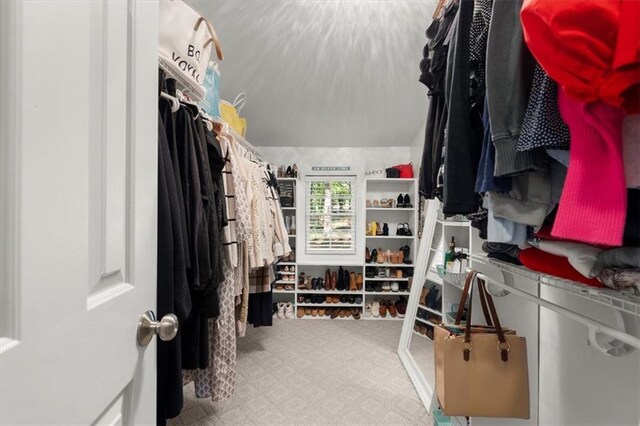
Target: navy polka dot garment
542, 126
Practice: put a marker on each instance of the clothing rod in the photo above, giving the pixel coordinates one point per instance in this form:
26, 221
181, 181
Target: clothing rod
591, 323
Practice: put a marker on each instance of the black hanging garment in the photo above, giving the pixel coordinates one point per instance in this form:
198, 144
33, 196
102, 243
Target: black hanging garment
172, 287
433, 67
464, 131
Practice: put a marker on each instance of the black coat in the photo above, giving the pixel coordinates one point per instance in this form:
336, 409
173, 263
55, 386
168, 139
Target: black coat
172, 287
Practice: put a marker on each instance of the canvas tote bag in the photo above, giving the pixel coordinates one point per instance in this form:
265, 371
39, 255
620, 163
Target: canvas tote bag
481, 371
186, 41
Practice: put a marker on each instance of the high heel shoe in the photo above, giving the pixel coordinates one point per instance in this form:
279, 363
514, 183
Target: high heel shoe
379, 230
289, 172
381, 256
407, 202
374, 256
367, 256
374, 228
400, 202
294, 171
385, 229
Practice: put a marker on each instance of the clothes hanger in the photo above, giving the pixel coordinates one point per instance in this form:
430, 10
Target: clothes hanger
175, 103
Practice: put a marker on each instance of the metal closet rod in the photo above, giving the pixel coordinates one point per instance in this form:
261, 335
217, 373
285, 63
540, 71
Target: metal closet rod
591, 323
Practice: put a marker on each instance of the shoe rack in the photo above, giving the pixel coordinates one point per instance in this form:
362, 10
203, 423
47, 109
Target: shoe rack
382, 206
284, 287
387, 276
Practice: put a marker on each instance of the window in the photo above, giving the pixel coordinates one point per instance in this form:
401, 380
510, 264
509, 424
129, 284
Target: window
331, 218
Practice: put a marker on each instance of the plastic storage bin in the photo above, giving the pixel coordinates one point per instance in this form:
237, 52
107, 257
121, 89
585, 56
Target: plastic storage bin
439, 419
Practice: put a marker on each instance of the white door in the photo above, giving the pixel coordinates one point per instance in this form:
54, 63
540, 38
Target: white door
78, 192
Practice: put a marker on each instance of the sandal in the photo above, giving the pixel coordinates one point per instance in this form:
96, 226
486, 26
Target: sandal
369, 204
376, 203
384, 203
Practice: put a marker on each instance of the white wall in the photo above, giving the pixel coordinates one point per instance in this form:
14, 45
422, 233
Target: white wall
359, 159
367, 157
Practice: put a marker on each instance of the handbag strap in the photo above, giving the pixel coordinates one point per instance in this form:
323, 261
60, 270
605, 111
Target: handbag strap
467, 346
503, 346
239, 101
214, 37
483, 301
463, 300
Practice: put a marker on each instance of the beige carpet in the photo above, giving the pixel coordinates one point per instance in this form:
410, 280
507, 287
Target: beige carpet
318, 372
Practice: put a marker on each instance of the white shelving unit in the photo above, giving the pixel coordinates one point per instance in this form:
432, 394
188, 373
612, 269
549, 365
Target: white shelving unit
378, 188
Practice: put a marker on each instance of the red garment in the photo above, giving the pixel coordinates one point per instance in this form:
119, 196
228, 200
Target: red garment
551, 264
593, 205
591, 48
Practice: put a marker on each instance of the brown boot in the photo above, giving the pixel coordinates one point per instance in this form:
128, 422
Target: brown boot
327, 279
352, 282
359, 281
334, 280
423, 296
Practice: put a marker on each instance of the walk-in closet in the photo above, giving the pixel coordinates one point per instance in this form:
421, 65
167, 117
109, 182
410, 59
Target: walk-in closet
327, 212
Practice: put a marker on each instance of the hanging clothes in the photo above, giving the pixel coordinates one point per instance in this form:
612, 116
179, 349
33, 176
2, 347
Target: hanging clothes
172, 287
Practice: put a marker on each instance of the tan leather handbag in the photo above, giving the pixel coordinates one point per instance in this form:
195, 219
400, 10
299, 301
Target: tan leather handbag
481, 371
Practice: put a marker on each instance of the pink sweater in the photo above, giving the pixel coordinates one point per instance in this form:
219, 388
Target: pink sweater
594, 199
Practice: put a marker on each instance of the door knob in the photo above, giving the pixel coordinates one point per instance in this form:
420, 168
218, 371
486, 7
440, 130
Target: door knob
166, 328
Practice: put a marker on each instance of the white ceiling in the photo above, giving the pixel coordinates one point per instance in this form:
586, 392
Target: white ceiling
324, 73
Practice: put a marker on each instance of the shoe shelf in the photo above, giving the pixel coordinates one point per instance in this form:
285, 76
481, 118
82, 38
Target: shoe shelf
433, 311
453, 223
331, 305
288, 179
387, 293
392, 265
288, 208
389, 237
346, 292
283, 291
387, 318
422, 335
324, 317
286, 273
386, 279
389, 180
284, 282
391, 209
427, 322
286, 264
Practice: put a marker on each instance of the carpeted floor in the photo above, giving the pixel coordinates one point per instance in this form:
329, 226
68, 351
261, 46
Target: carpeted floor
318, 372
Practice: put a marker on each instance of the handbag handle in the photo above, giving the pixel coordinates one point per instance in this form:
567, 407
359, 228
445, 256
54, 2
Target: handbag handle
485, 297
239, 101
214, 37
463, 301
